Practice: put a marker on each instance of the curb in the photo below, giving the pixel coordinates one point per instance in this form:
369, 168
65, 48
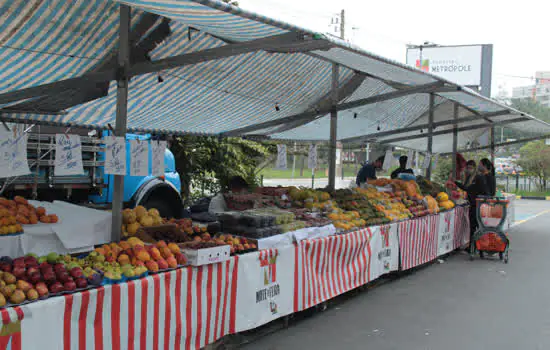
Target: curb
534, 198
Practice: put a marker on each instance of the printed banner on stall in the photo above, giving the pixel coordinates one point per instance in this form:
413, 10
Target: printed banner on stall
183, 309
446, 233
385, 245
139, 158
418, 241
115, 155
158, 148
461, 227
265, 287
327, 267
68, 155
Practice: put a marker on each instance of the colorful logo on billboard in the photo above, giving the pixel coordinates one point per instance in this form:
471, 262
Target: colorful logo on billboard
423, 65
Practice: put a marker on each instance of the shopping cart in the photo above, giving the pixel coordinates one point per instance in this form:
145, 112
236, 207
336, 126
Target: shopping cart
490, 237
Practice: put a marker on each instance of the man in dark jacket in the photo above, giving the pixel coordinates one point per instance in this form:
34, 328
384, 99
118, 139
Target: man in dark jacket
368, 171
402, 168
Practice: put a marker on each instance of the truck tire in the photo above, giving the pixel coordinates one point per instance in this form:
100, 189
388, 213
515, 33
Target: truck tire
163, 207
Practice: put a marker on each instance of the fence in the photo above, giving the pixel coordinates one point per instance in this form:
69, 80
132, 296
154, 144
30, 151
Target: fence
515, 183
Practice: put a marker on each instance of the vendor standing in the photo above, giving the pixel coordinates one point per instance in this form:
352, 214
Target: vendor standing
402, 168
368, 171
236, 185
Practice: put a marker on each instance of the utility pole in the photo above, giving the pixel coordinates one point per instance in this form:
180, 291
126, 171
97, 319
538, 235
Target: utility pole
342, 24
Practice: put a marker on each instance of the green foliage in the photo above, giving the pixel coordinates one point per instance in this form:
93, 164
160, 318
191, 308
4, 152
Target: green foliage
535, 161
206, 164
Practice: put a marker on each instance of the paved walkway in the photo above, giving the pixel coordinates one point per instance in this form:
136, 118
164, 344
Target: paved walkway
459, 304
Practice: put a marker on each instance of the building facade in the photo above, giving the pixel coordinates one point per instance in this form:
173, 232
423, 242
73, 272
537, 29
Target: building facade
540, 91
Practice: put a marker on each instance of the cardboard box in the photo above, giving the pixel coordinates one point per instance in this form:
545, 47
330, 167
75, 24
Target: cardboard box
205, 256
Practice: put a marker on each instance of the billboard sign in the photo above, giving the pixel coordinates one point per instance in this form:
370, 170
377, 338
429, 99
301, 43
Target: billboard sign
459, 64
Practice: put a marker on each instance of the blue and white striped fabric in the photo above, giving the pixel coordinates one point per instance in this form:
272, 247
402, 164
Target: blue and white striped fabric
43, 41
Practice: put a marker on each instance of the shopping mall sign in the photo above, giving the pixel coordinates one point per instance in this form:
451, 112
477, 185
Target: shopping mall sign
460, 64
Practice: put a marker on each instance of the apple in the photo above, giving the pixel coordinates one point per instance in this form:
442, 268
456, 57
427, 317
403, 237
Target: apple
76, 272
63, 277
5, 267
69, 286
45, 266
18, 262
81, 283
32, 270
19, 271
49, 277
56, 287
31, 261
59, 267
35, 278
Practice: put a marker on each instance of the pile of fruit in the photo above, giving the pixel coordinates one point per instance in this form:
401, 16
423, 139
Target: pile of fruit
443, 201
29, 278
239, 245
416, 206
24, 213
134, 219
347, 220
8, 224
187, 226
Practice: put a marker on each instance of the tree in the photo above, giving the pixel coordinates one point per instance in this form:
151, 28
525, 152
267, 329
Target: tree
535, 161
206, 164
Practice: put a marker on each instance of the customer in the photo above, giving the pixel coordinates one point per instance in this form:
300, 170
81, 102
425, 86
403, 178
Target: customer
236, 185
368, 171
475, 184
460, 166
491, 176
402, 168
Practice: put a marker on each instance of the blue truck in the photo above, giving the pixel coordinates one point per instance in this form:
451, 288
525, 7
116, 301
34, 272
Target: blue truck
94, 188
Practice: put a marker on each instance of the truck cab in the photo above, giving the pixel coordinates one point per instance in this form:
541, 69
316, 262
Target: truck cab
94, 187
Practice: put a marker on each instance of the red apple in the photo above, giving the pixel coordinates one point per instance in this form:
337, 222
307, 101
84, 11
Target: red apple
35, 278
19, 272
69, 286
59, 267
31, 261
63, 277
76, 272
81, 283
49, 277
19, 262
57, 287
32, 270
5, 267
42, 289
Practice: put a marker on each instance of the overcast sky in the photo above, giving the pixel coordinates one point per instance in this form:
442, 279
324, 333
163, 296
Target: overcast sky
519, 32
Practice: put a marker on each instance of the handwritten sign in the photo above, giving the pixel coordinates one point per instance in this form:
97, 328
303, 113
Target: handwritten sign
18, 157
5, 152
158, 150
115, 155
281, 156
427, 160
139, 158
410, 159
68, 155
312, 157
388, 160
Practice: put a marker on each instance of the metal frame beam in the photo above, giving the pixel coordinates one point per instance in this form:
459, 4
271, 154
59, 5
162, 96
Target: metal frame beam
333, 127
121, 114
425, 126
503, 144
311, 115
430, 134
444, 132
455, 138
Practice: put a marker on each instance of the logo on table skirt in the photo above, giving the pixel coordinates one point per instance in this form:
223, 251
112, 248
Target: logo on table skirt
268, 267
10, 336
385, 232
447, 217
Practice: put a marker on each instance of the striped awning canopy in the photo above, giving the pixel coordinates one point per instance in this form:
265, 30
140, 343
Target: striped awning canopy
205, 67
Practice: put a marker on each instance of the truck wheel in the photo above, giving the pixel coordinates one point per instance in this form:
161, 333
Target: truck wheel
163, 207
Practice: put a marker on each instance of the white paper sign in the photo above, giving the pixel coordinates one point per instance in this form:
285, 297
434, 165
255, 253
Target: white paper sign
427, 160
68, 155
158, 149
139, 158
281, 156
385, 244
436, 159
18, 159
5, 152
446, 232
388, 160
115, 155
410, 160
312, 157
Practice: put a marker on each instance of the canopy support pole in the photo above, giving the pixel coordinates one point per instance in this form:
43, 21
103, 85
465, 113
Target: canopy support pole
333, 127
455, 139
121, 114
493, 145
430, 134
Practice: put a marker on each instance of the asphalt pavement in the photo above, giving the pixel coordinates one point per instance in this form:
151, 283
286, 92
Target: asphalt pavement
457, 304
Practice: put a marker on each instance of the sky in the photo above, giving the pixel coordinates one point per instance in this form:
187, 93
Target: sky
519, 31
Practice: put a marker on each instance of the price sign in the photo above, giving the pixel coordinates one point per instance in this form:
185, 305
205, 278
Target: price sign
115, 155
312, 157
5, 152
68, 155
281, 156
139, 158
18, 157
158, 150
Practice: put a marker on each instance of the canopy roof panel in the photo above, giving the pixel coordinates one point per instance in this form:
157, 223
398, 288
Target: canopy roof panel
202, 66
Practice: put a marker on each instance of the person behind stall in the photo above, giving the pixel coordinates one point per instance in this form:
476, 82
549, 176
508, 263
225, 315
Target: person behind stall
236, 185
460, 166
402, 168
475, 184
368, 171
490, 177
